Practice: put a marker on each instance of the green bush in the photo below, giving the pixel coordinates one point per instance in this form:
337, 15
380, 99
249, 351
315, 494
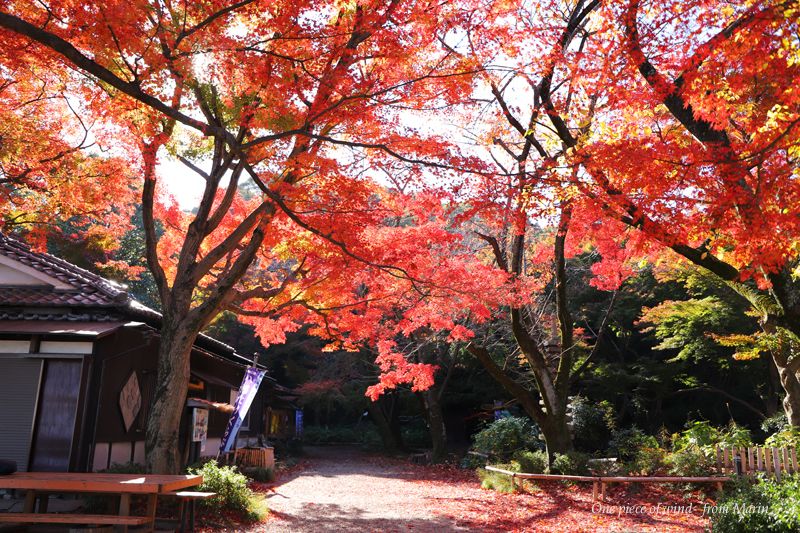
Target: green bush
766, 506
648, 461
707, 437
626, 443
788, 436
503, 437
364, 434
570, 464
592, 423
496, 481
774, 423
231, 488
531, 462
690, 461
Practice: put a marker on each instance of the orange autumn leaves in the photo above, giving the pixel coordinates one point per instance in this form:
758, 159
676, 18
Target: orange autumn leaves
350, 113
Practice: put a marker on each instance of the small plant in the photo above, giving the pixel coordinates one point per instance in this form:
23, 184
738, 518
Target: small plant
531, 462
788, 437
647, 461
774, 423
570, 464
497, 481
691, 461
592, 423
627, 442
766, 506
703, 435
230, 485
503, 437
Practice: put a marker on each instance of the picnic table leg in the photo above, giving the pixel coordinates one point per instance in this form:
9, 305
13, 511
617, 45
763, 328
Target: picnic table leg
594, 491
602, 492
124, 510
182, 514
44, 499
152, 501
30, 501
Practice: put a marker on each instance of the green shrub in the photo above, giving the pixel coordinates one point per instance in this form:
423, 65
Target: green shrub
231, 488
774, 423
734, 435
531, 462
364, 434
472, 461
690, 461
707, 437
626, 443
503, 437
648, 461
570, 464
496, 481
788, 436
766, 506
592, 423
605, 467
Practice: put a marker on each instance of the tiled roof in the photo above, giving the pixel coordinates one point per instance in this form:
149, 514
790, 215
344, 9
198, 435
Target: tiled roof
90, 298
87, 289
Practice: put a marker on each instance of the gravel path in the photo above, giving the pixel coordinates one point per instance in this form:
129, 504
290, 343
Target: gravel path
345, 490
342, 489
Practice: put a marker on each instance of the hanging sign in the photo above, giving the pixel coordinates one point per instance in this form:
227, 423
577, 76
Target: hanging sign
247, 391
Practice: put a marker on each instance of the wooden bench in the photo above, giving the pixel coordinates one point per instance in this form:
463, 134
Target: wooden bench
191, 497
39, 484
56, 518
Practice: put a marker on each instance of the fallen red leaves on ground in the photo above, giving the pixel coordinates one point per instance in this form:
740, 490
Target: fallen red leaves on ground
455, 494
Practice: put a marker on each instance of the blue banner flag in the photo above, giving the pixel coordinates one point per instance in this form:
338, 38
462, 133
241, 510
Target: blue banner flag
247, 391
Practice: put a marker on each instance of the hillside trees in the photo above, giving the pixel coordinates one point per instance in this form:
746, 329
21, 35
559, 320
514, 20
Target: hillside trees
274, 94
695, 151
718, 126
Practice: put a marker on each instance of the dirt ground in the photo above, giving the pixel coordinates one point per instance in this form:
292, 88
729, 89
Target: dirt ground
342, 489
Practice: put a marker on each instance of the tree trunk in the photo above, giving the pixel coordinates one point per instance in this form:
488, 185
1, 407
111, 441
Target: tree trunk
553, 425
390, 436
172, 384
557, 436
433, 412
791, 385
785, 357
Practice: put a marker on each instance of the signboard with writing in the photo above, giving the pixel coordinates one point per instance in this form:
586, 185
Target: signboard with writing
199, 424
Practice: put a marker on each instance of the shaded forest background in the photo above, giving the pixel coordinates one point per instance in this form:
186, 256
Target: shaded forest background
665, 359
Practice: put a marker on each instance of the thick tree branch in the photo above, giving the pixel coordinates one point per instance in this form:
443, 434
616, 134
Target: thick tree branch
522, 395
567, 342
74, 56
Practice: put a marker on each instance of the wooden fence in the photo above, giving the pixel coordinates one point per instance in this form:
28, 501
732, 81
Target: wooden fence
748, 461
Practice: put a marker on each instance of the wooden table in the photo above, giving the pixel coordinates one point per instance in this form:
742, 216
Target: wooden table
125, 485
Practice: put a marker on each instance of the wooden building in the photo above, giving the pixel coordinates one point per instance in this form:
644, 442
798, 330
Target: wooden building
77, 369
